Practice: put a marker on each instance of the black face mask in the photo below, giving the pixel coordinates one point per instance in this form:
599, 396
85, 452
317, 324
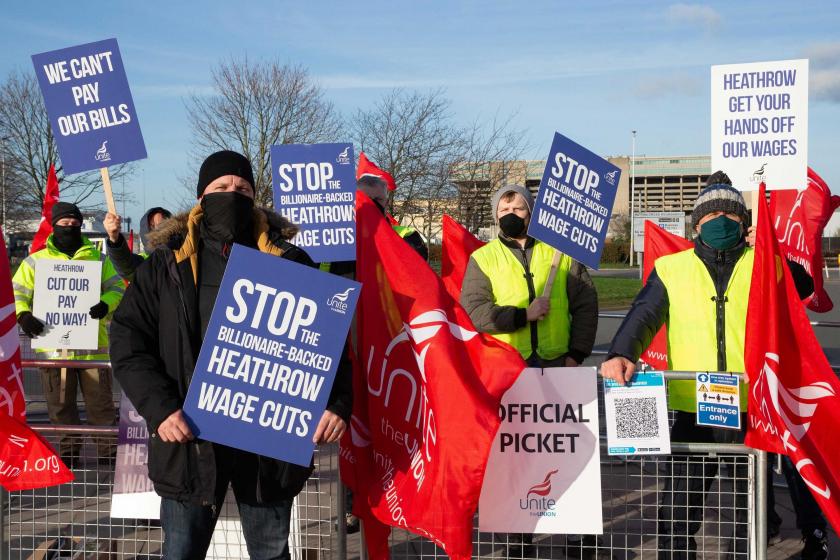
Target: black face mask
512, 225
67, 239
228, 216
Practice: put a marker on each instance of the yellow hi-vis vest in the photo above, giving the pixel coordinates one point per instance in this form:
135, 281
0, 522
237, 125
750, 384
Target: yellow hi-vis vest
692, 320
112, 290
510, 287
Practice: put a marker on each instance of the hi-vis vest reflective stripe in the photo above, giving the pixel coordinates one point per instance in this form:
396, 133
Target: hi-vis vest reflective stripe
692, 320
507, 278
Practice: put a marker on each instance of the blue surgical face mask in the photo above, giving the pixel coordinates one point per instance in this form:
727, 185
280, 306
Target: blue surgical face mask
721, 233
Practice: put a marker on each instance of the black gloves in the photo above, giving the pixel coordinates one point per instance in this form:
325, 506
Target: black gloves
99, 310
30, 325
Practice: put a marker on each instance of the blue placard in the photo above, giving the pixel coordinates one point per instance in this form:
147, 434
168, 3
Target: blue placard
270, 355
90, 107
315, 188
574, 204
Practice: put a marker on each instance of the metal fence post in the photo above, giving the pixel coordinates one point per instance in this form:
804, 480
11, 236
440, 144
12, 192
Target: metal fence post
761, 506
341, 545
3, 499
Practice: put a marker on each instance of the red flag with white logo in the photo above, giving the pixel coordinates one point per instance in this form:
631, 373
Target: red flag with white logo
12, 399
794, 398
26, 460
427, 389
45, 225
658, 243
456, 247
799, 218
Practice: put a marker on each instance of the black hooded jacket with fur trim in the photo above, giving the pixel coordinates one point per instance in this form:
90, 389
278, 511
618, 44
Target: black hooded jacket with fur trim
155, 341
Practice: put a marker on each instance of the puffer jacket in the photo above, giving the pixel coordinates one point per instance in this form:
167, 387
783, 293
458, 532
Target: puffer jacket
155, 341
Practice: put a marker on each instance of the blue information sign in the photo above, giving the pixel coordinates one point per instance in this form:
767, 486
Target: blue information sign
574, 204
718, 400
270, 355
315, 188
89, 103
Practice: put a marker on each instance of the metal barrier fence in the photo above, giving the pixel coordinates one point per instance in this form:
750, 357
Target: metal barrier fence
725, 487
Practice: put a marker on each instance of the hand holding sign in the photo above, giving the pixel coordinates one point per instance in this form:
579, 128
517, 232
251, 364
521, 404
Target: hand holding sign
91, 112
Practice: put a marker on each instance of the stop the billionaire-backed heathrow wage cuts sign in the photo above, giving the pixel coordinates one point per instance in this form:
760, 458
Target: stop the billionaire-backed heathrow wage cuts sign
315, 188
270, 355
575, 200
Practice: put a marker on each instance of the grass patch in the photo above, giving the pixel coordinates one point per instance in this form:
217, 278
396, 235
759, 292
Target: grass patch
616, 292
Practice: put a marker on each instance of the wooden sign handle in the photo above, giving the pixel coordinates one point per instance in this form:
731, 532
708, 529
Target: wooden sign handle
549, 283
109, 194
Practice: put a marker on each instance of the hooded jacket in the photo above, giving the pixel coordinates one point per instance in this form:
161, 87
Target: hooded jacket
155, 341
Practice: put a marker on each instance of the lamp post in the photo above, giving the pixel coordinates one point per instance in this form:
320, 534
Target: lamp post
632, 193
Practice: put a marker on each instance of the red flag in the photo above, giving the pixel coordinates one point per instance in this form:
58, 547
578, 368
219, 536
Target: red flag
456, 247
799, 218
658, 243
45, 226
794, 399
26, 460
12, 400
131, 241
367, 167
426, 397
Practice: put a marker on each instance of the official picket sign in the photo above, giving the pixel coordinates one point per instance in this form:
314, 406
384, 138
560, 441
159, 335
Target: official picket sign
574, 204
64, 293
672, 222
718, 400
760, 123
270, 355
89, 104
134, 494
315, 187
544, 473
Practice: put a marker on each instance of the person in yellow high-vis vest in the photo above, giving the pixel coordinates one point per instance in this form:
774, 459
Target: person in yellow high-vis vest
702, 295
67, 243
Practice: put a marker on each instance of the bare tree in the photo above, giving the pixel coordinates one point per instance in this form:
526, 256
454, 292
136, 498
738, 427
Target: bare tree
435, 162
257, 105
29, 149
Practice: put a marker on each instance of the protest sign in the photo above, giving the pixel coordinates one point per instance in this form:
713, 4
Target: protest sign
637, 416
672, 222
760, 123
575, 200
315, 187
270, 355
89, 104
544, 473
64, 293
134, 494
718, 400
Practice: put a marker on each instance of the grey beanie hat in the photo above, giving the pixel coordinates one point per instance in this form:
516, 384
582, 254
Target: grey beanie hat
518, 189
720, 197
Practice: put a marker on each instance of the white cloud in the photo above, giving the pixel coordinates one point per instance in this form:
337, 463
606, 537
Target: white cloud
664, 85
824, 69
694, 14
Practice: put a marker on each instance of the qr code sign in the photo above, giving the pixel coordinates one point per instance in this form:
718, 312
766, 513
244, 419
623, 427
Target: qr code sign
636, 418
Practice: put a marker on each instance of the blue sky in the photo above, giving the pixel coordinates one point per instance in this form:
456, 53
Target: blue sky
591, 70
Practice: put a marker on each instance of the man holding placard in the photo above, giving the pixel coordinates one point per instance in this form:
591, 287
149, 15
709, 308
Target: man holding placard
158, 333
702, 294
504, 290
65, 319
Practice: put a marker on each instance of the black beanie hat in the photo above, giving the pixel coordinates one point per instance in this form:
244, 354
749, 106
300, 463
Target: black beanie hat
224, 163
65, 210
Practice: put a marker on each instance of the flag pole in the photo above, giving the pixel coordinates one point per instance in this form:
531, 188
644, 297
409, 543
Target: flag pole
549, 283
109, 194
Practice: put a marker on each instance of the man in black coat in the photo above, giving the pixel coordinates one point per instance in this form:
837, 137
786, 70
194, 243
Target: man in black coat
156, 337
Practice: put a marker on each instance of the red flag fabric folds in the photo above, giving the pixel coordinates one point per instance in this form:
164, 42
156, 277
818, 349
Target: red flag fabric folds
799, 218
794, 399
456, 247
427, 389
367, 167
658, 243
45, 225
